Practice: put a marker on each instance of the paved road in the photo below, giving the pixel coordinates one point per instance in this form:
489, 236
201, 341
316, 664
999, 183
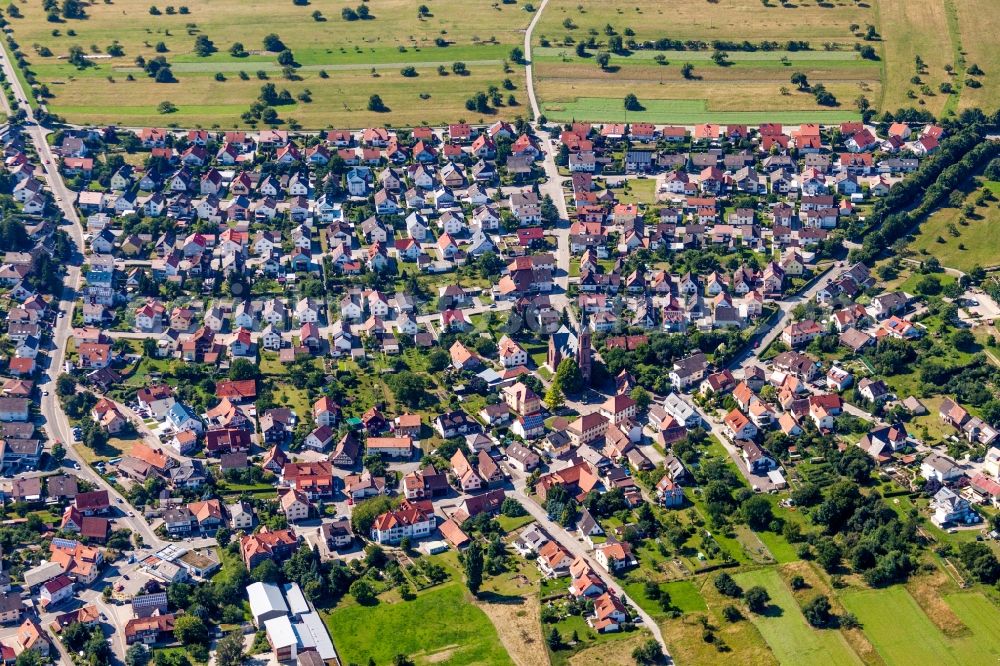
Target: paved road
750, 355
55, 419
576, 547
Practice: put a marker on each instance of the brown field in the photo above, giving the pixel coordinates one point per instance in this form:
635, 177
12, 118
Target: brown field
684, 635
910, 29
718, 95
611, 653
520, 629
979, 25
697, 19
928, 591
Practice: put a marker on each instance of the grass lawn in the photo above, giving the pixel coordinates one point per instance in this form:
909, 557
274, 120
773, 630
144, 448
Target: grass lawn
287, 395
684, 597
639, 190
780, 548
509, 524
903, 634
784, 628
977, 238
588, 639
439, 626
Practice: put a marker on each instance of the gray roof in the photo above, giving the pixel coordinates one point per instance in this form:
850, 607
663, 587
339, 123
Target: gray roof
265, 598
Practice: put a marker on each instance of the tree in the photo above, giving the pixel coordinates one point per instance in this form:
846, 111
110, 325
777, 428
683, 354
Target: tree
229, 650
603, 59
977, 558
65, 385
273, 43
266, 572
732, 613
58, 453
828, 554
568, 376
29, 658
365, 512
929, 285
963, 339
376, 104
517, 55
190, 629
554, 397
757, 599
437, 360
756, 512
137, 655
554, 639
800, 80
474, 567
726, 585
166, 106
687, 70
203, 46
648, 653
817, 611
642, 398
362, 591
409, 388
631, 103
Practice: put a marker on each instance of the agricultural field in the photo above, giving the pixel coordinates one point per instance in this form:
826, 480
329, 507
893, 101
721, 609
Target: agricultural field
340, 62
962, 245
753, 86
909, 30
978, 25
786, 631
903, 633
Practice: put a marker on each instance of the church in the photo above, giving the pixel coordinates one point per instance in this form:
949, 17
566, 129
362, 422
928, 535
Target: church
565, 343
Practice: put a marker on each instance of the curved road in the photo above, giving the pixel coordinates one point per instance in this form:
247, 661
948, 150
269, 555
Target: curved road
56, 423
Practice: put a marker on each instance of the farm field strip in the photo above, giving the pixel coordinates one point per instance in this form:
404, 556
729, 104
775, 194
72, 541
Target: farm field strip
788, 635
549, 53
681, 111
979, 25
903, 634
211, 68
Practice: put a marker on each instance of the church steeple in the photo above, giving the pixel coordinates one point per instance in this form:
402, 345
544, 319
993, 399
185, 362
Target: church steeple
584, 351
